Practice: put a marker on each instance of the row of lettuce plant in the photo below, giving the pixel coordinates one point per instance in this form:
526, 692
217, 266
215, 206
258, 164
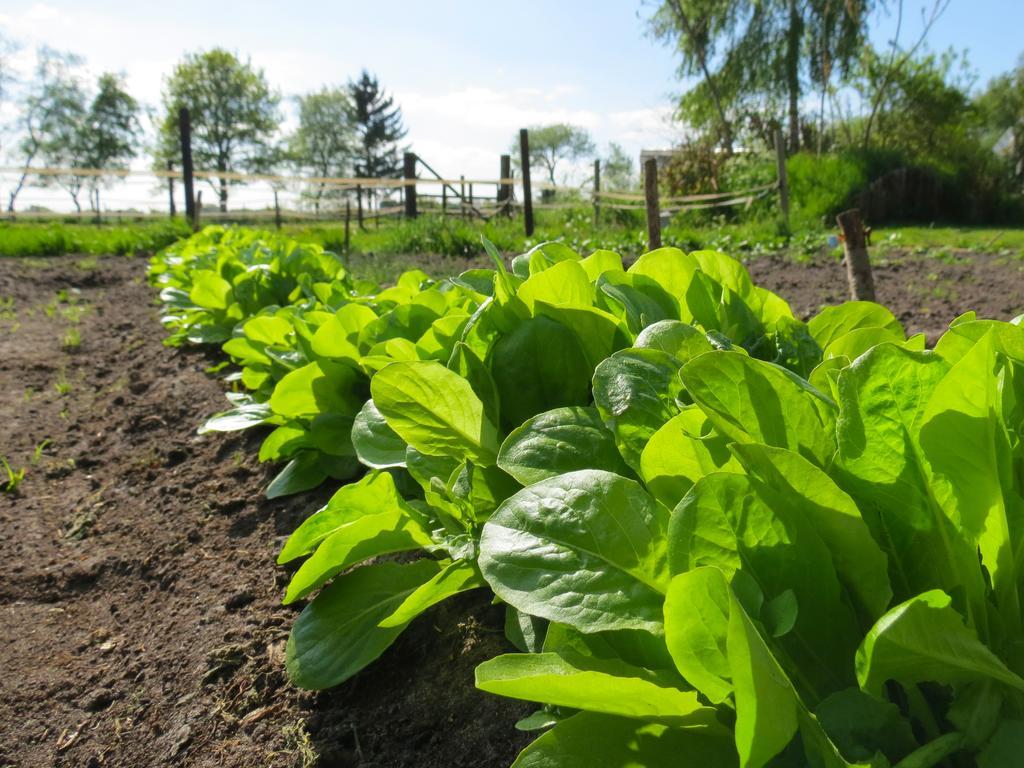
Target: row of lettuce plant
720, 541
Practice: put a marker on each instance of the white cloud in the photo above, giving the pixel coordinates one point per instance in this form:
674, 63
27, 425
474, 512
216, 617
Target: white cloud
465, 129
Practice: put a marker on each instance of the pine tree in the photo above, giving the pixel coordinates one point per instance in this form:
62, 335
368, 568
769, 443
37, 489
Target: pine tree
378, 124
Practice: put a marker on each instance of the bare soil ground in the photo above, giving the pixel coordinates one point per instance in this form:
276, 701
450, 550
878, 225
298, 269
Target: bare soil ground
140, 617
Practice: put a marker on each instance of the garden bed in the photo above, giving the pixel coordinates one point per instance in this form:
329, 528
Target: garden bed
141, 614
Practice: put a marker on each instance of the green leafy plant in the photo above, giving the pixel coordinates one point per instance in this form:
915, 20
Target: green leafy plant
803, 575
15, 477
542, 378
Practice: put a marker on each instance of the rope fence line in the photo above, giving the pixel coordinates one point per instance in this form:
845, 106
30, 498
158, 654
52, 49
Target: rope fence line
452, 200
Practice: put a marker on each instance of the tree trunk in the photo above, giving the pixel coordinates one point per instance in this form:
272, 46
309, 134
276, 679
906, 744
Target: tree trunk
17, 189
793, 37
684, 21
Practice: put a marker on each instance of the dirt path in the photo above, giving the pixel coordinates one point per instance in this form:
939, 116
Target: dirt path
140, 622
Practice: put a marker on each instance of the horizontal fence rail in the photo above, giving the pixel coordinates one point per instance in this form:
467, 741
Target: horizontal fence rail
168, 190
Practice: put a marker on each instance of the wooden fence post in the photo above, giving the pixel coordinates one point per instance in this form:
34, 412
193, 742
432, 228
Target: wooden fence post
524, 160
780, 166
198, 212
277, 211
170, 188
858, 265
185, 130
462, 196
597, 191
359, 205
504, 188
653, 206
471, 194
444, 200
409, 173
348, 222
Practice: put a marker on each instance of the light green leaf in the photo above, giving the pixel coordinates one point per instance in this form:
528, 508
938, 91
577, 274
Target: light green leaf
968, 445
882, 400
558, 441
859, 562
681, 452
751, 401
375, 443
337, 635
241, 417
599, 333
435, 411
833, 322
595, 685
727, 522
384, 532
320, 387
373, 494
601, 261
682, 341
268, 329
635, 391
332, 340
697, 609
588, 740
855, 343
924, 639
538, 366
210, 290
455, 578
587, 549
565, 283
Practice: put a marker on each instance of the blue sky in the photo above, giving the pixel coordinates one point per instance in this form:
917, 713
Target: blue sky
467, 73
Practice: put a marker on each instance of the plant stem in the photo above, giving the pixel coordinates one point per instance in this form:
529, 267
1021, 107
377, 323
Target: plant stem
933, 752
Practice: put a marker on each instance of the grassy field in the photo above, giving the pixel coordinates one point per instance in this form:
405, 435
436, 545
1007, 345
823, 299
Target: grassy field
454, 238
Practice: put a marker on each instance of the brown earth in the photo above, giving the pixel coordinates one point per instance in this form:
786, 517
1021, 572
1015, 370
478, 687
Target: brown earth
140, 617
924, 292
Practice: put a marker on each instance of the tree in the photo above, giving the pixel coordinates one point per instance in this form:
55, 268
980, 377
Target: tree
378, 129
234, 115
52, 112
754, 56
1002, 108
110, 132
898, 59
617, 169
552, 144
324, 143
921, 109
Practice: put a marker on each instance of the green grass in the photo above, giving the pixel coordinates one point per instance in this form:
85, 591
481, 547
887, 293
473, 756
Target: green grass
56, 238
444, 246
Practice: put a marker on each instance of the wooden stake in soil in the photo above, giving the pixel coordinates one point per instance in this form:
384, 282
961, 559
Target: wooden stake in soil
653, 205
348, 222
780, 166
359, 205
524, 160
185, 129
858, 266
409, 172
505, 189
170, 188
